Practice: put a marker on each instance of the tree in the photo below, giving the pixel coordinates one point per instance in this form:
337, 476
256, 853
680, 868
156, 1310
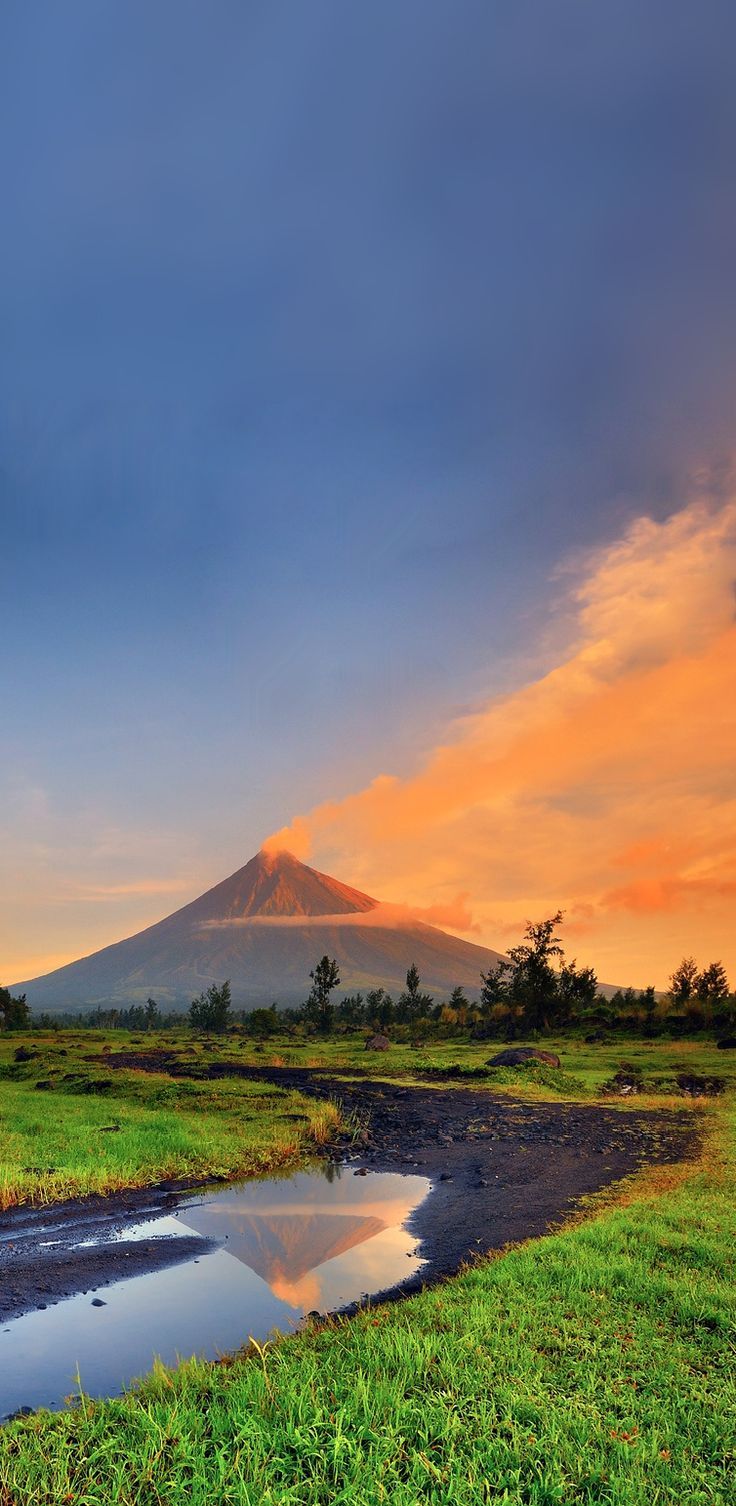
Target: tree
683, 981
533, 982
577, 989
14, 1012
211, 1010
712, 984
493, 987
262, 1021
318, 1009
380, 1009
349, 1011
460, 1003
413, 1004
153, 1017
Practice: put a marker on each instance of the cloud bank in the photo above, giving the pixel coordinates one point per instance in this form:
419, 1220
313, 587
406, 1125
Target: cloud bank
454, 914
605, 786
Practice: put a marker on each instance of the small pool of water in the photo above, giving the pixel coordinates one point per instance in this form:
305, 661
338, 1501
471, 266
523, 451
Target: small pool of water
314, 1241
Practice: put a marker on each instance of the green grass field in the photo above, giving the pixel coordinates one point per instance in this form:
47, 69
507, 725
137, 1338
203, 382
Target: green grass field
594, 1366
52, 1147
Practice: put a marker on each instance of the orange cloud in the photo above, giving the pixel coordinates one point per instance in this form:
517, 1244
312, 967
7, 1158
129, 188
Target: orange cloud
605, 786
294, 838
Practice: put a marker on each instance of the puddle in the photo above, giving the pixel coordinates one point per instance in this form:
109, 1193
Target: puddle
314, 1241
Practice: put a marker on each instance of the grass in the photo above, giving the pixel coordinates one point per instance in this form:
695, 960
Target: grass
585, 1066
594, 1366
82, 1137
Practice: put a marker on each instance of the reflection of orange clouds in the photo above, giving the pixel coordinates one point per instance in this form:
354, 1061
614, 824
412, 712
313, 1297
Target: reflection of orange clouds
304, 1293
606, 786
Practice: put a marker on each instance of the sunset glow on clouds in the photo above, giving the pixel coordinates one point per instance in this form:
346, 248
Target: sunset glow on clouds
606, 786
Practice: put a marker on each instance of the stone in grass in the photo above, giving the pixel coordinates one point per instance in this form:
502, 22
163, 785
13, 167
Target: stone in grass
378, 1043
515, 1056
727, 1044
696, 1086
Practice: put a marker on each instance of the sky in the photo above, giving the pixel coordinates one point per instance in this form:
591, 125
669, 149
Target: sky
367, 385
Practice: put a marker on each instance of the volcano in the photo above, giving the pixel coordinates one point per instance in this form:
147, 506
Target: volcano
264, 928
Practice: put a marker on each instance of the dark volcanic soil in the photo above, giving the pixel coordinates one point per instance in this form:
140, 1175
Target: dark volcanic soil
40, 1256
503, 1170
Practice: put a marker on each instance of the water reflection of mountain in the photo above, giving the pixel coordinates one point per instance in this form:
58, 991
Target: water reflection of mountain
283, 1247
285, 1230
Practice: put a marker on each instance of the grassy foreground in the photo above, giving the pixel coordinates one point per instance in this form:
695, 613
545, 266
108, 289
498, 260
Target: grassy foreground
593, 1366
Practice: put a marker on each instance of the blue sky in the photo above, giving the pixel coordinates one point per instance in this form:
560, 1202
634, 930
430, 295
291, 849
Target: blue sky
327, 333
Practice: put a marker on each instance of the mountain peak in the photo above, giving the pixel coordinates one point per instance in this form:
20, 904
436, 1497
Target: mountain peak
211, 938
277, 883
271, 859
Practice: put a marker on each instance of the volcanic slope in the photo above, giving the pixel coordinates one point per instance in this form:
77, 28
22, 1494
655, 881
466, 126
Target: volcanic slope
264, 928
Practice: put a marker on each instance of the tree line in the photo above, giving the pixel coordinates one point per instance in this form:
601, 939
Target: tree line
534, 989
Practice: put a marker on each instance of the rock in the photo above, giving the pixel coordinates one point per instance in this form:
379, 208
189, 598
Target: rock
98, 1302
629, 1080
623, 1083
23, 1054
697, 1086
515, 1056
445, 1176
44, 1085
727, 1044
378, 1043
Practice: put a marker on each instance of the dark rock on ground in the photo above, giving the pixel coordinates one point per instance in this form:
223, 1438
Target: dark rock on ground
24, 1055
515, 1056
628, 1080
378, 1043
44, 1085
697, 1086
727, 1044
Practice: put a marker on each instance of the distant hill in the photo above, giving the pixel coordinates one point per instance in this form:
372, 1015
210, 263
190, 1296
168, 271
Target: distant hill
264, 928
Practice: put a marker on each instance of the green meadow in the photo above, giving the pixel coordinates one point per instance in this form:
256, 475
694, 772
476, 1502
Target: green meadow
595, 1365
96, 1130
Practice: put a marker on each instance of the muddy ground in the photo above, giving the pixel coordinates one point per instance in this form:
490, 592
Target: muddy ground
503, 1170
